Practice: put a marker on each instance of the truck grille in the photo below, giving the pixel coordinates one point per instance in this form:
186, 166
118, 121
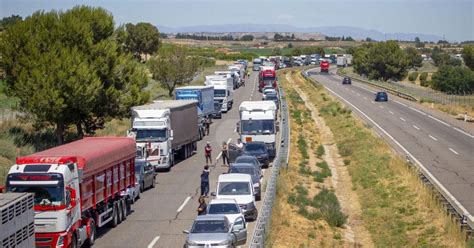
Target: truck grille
43, 240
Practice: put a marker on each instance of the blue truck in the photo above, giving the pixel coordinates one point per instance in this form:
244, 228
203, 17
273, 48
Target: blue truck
203, 94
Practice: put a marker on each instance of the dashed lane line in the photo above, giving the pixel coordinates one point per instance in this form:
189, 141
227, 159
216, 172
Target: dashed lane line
153, 242
402, 119
433, 138
184, 204
455, 152
417, 128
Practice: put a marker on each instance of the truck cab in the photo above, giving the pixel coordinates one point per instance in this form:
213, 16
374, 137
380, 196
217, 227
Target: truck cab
258, 123
223, 91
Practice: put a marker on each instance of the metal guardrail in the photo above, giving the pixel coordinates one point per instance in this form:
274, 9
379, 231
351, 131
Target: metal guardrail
465, 218
392, 91
264, 219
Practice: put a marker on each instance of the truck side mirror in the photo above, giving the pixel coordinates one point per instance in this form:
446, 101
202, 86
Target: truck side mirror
171, 134
72, 194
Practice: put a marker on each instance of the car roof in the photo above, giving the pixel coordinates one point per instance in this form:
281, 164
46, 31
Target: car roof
242, 165
246, 157
211, 217
234, 177
221, 201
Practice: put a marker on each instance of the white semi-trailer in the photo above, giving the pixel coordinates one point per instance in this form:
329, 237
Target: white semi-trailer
258, 123
164, 129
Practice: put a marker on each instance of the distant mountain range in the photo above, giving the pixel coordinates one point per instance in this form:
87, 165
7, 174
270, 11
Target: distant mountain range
354, 32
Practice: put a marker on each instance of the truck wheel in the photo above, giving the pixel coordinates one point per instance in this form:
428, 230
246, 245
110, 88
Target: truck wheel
120, 212
124, 209
91, 240
73, 241
114, 221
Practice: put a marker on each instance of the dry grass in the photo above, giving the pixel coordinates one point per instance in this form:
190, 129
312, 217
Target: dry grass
397, 208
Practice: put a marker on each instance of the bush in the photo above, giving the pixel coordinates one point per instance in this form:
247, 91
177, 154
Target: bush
453, 80
320, 151
424, 76
328, 204
413, 76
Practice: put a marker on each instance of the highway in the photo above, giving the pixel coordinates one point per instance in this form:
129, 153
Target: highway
444, 146
162, 213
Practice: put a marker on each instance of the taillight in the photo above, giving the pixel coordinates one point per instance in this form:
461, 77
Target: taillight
274, 84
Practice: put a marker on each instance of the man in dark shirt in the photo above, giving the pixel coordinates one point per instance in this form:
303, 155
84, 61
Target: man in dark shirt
205, 181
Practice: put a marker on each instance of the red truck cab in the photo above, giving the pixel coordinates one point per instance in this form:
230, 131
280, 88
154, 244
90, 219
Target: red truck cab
324, 65
267, 76
78, 187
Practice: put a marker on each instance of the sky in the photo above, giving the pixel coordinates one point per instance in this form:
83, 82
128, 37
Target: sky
452, 19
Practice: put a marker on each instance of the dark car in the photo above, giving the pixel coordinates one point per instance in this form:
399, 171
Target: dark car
246, 159
259, 150
249, 169
145, 174
346, 80
381, 96
272, 97
217, 110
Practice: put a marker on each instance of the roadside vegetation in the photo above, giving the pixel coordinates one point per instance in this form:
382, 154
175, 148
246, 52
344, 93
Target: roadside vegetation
397, 209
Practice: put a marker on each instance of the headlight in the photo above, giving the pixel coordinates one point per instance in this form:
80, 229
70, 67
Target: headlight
224, 242
250, 206
189, 242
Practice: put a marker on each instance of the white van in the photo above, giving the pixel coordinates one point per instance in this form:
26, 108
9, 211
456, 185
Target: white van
240, 188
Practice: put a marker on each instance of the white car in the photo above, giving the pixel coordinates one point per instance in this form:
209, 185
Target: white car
240, 188
227, 207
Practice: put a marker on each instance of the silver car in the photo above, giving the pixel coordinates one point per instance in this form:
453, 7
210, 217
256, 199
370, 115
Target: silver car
216, 231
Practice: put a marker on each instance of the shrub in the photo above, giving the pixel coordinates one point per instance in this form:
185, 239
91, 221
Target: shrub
320, 151
412, 77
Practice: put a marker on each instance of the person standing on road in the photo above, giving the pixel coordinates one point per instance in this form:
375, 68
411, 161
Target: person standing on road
205, 181
207, 153
240, 145
207, 124
202, 206
225, 155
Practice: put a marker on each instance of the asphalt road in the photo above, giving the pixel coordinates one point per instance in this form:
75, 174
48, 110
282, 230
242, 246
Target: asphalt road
441, 144
162, 213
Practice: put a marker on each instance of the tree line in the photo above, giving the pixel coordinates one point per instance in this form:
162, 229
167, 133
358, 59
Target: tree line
386, 60
247, 37
75, 70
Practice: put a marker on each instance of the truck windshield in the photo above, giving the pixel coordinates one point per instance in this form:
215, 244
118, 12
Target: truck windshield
49, 191
219, 93
151, 135
258, 127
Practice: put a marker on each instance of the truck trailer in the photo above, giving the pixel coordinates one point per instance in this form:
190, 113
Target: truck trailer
78, 187
204, 95
341, 61
17, 216
223, 90
165, 129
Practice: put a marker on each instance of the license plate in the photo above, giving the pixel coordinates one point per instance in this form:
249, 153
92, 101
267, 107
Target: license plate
248, 139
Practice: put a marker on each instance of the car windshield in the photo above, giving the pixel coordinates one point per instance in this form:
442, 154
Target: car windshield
271, 97
223, 208
209, 226
243, 170
258, 127
234, 188
138, 166
151, 135
249, 147
219, 93
381, 94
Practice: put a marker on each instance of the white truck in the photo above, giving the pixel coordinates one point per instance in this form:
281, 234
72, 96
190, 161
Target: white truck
223, 90
341, 61
230, 74
240, 69
258, 122
165, 129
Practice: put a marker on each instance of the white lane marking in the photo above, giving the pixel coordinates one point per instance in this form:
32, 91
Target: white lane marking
358, 94
153, 242
365, 98
235, 130
380, 106
347, 89
433, 138
461, 131
416, 110
417, 128
438, 120
455, 152
352, 91
402, 119
184, 204
390, 112
403, 104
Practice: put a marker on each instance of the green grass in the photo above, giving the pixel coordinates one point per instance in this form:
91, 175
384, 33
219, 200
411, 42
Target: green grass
324, 173
320, 151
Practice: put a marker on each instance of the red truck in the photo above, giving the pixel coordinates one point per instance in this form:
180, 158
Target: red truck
324, 65
267, 76
78, 187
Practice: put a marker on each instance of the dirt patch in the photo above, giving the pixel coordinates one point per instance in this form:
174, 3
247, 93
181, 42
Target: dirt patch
355, 233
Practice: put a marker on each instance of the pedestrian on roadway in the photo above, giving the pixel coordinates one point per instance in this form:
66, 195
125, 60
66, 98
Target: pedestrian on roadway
205, 181
202, 206
240, 145
225, 154
207, 153
207, 124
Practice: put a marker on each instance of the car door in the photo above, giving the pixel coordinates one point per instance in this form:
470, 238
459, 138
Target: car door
148, 175
234, 152
240, 231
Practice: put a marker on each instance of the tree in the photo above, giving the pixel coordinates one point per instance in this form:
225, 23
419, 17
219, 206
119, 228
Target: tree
276, 51
368, 39
296, 51
293, 36
173, 67
441, 58
247, 37
66, 69
453, 80
142, 38
290, 45
383, 60
8, 21
278, 37
418, 43
413, 56
468, 56
313, 50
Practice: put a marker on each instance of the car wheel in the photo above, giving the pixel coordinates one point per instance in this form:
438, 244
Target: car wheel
142, 187
153, 182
